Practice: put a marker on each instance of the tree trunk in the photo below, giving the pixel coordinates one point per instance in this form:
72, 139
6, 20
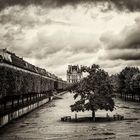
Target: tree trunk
75, 116
93, 115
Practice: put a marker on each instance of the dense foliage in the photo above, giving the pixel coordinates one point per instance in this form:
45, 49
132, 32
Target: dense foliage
115, 83
13, 81
93, 92
125, 79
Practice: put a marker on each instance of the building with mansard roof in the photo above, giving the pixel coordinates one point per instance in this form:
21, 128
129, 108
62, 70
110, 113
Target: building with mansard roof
74, 74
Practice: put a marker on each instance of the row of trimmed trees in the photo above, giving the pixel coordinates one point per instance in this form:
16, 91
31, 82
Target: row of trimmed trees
96, 91
17, 82
127, 83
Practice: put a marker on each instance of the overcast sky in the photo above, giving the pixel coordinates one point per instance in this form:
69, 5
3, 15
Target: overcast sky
54, 34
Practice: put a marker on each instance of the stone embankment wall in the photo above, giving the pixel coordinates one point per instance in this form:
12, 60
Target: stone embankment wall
5, 119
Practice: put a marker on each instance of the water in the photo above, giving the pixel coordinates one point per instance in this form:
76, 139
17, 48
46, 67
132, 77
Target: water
44, 124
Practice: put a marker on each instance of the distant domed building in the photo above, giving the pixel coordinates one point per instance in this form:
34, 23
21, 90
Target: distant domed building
74, 74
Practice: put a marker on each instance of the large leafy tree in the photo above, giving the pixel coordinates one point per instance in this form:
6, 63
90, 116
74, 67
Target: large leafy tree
93, 92
125, 77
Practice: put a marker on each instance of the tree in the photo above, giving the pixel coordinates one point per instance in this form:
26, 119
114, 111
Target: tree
115, 82
125, 77
95, 91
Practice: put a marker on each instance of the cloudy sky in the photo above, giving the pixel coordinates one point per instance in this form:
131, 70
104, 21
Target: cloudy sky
54, 33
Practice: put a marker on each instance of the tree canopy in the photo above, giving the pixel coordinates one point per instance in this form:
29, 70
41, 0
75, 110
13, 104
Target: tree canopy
94, 91
125, 78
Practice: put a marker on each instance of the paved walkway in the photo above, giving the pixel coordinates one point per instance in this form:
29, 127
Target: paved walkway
44, 124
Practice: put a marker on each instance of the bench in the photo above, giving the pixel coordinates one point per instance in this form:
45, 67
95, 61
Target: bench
66, 118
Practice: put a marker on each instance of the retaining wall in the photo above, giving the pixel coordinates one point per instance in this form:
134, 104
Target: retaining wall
16, 114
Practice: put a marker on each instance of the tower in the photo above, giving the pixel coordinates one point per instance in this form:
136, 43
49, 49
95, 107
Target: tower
74, 74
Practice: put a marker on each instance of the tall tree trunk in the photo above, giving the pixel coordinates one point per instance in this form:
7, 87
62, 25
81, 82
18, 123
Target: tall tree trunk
93, 115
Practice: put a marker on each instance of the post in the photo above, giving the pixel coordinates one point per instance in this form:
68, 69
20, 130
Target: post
75, 116
93, 115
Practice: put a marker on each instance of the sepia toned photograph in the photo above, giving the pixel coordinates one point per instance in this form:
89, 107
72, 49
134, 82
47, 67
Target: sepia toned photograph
69, 69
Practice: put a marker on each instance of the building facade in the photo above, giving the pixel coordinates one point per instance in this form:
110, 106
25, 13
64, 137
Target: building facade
74, 74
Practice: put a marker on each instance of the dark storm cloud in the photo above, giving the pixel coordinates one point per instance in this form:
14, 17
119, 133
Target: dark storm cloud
132, 5
128, 57
125, 54
128, 41
124, 45
128, 38
132, 39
